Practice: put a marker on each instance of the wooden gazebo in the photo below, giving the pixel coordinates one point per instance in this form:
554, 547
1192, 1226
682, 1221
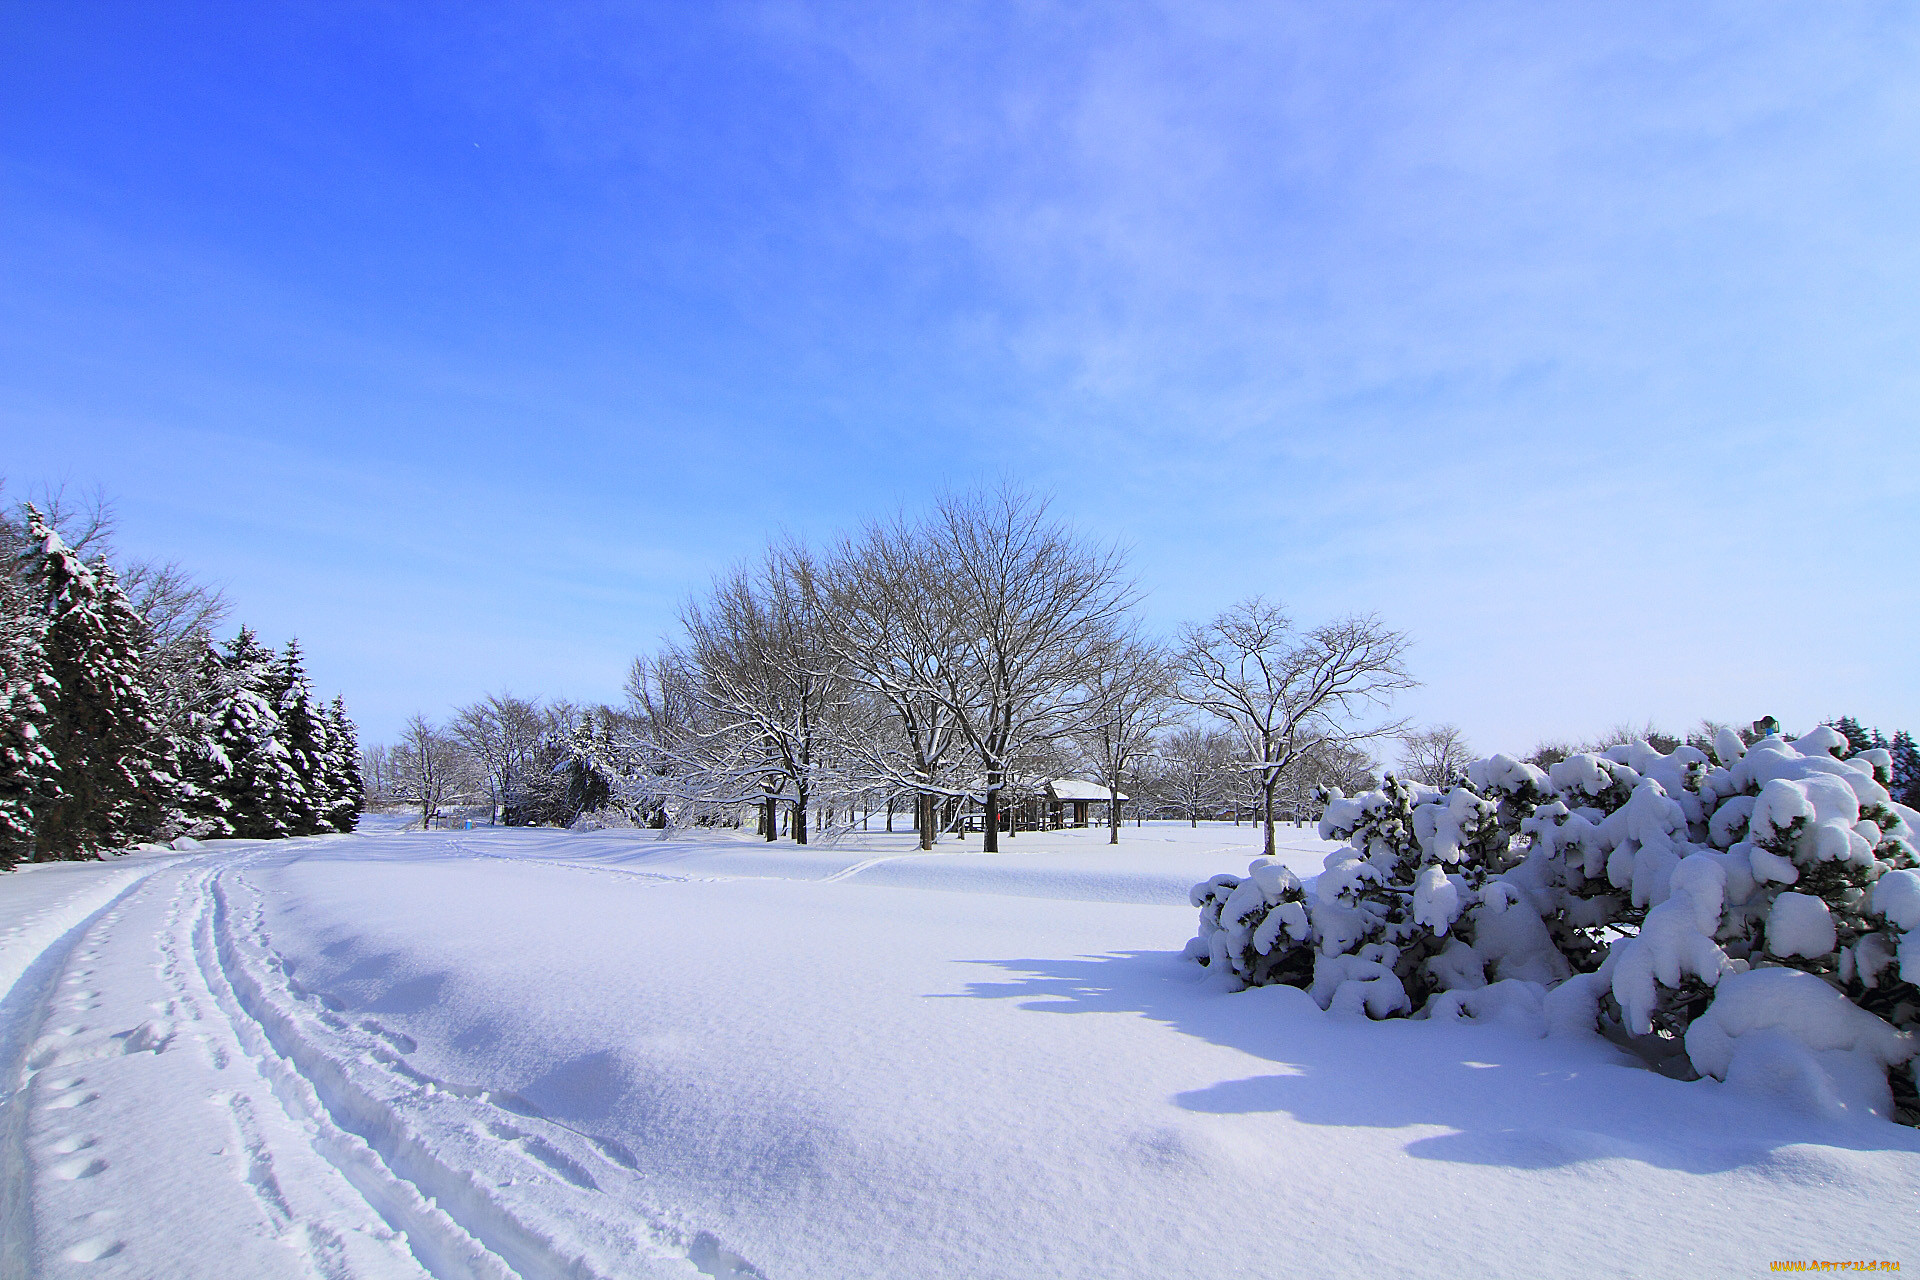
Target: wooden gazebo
1079, 793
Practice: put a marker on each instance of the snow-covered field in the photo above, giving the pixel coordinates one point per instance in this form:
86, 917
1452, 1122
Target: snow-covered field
489, 1053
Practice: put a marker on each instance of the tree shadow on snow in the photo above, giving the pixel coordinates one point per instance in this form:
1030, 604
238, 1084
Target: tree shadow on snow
1511, 1100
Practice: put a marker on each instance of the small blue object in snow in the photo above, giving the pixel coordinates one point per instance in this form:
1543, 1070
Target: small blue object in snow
469, 824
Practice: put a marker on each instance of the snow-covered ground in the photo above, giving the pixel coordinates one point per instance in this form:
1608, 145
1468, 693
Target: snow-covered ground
491, 1052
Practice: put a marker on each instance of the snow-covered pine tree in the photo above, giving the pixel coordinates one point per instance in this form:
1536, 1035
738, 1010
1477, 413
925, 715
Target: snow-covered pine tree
152, 801
345, 791
29, 776
1859, 737
115, 781
205, 771
1906, 769
1760, 903
260, 783
591, 773
302, 736
543, 796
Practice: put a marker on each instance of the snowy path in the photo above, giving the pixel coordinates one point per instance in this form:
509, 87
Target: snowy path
488, 1054
159, 1047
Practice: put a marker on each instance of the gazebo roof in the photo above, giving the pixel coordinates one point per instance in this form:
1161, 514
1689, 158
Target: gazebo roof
1078, 789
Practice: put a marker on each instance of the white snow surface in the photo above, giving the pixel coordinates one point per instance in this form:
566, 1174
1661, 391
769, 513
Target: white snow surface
1790, 1033
538, 1053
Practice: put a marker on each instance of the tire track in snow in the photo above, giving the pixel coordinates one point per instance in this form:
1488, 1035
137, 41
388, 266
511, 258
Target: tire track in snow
847, 873
463, 849
326, 1251
440, 1246
436, 1159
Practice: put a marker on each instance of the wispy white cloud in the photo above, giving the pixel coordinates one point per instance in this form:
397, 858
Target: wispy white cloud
1576, 339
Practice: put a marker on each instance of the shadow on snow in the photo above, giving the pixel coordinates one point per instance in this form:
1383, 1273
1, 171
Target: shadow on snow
1511, 1100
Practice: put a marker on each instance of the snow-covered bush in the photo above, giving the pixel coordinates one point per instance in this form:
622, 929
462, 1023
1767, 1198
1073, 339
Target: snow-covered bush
1418, 901
1683, 885
607, 819
1255, 929
1805, 863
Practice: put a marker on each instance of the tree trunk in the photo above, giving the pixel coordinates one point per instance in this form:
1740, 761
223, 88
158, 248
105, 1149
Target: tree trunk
1266, 787
1113, 815
800, 816
991, 811
770, 819
923, 814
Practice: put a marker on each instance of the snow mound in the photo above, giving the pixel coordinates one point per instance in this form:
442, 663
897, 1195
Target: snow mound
1787, 1032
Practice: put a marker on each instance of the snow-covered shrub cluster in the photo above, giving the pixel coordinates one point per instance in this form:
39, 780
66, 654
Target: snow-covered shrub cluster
112, 733
1749, 911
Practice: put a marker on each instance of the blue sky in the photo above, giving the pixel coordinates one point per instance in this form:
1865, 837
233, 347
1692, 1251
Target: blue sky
462, 341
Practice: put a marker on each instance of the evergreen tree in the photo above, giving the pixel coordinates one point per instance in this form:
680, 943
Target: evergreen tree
151, 801
345, 790
28, 773
205, 770
1858, 738
584, 783
1906, 770
100, 728
301, 733
260, 783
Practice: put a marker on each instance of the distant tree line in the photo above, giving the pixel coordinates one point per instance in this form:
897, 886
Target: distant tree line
939, 665
521, 763
122, 722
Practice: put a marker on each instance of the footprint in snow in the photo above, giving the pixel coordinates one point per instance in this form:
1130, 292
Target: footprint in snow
615, 1151
547, 1154
404, 1043
68, 1145
95, 1248
718, 1261
79, 1167
151, 1036
74, 1099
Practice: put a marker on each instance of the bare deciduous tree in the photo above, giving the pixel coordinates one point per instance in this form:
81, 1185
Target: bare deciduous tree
502, 733
1036, 607
1196, 769
1551, 751
896, 629
377, 775
1346, 765
1626, 731
428, 767
1284, 690
1436, 755
766, 678
1129, 700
